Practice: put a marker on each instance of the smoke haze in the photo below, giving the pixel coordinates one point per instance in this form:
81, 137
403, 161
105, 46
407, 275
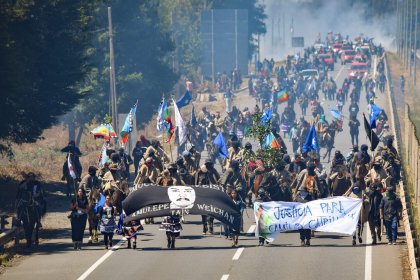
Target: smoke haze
334, 15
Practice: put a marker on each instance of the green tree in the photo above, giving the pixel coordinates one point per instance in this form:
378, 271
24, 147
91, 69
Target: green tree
43, 59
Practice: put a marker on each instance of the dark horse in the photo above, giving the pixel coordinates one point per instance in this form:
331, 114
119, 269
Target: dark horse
327, 141
93, 219
28, 215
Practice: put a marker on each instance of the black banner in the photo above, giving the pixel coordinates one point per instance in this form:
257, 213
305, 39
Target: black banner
149, 201
373, 138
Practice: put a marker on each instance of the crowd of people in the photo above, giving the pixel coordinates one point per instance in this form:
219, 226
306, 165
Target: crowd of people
246, 176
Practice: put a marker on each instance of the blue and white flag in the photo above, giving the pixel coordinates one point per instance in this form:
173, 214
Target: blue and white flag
161, 115
221, 145
184, 100
100, 203
374, 113
266, 117
311, 143
103, 158
128, 124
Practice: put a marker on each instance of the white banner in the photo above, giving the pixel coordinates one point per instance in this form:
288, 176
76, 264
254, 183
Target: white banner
334, 214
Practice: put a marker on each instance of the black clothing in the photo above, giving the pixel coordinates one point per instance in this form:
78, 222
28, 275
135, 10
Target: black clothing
390, 205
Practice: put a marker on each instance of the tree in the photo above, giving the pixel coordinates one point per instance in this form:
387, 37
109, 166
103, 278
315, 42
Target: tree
42, 53
141, 47
260, 131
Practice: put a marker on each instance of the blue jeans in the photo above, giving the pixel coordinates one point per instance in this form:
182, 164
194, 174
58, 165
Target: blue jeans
227, 230
391, 228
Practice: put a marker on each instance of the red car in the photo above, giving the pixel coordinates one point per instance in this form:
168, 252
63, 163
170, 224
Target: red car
358, 69
337, 47
328, 58
347, 56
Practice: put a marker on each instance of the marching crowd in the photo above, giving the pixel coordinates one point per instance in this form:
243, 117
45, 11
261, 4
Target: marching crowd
247, 176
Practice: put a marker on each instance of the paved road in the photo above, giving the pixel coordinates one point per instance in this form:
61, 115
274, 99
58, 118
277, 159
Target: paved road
331, 256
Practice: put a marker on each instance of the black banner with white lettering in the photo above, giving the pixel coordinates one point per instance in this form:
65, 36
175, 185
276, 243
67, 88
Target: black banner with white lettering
149, 201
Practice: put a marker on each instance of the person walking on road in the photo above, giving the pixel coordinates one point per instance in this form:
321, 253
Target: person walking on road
78, 217
107, 222
354, 130
172, 226
390, 213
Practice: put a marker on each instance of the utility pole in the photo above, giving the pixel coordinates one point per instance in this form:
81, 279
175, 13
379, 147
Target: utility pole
410, 30
112, 86
272, 32
212, 48
236, 39
284, 30
415, 47
396, 29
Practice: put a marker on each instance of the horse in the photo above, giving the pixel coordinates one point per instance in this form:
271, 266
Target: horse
93, 219
327, 139
28, 215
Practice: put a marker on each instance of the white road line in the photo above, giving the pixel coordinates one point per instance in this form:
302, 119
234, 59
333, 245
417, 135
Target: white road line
251, 229
368, 256
225, 277
100, 261
238, 254
339, 72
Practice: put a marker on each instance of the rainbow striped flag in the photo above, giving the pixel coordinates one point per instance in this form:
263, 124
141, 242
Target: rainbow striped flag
283, 96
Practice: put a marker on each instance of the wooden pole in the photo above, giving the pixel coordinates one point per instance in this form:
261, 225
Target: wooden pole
112, 85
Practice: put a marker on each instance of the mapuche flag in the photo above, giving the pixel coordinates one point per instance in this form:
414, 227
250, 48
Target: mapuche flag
128, 124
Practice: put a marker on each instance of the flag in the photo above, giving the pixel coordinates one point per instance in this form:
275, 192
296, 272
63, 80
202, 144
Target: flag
103, 158
104, 131
100, 203
193, 117
271, 142
179, 123
72, 171
184, 100
373, 138
336, 114
311, 143
128, 124
266, 117
220, 143
169, 128
312, 85
374, 113
162, 115
283, 96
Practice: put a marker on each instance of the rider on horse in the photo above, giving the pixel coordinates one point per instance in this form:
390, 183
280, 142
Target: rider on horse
31, 191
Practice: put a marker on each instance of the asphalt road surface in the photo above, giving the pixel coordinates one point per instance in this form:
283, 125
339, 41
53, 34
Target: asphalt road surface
331, 256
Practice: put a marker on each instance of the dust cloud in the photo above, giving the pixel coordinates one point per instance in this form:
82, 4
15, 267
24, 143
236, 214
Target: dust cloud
287, 18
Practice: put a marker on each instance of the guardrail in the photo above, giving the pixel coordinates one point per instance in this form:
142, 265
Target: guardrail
412, 156
7, 235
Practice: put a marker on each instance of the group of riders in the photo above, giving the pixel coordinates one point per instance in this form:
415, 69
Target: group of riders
247, 177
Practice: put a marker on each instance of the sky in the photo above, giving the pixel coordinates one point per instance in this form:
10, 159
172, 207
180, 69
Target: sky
334, 15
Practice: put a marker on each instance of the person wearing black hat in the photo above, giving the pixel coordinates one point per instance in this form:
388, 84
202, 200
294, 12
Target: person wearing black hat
390, 212
375, 197
90, 181
355, 192
390, 149
297, 165
232, 153
137, 154
195, 156
182, 171
148, 173
354, 130
31, 190
233, 177
126, 160
245, 155
306, 188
